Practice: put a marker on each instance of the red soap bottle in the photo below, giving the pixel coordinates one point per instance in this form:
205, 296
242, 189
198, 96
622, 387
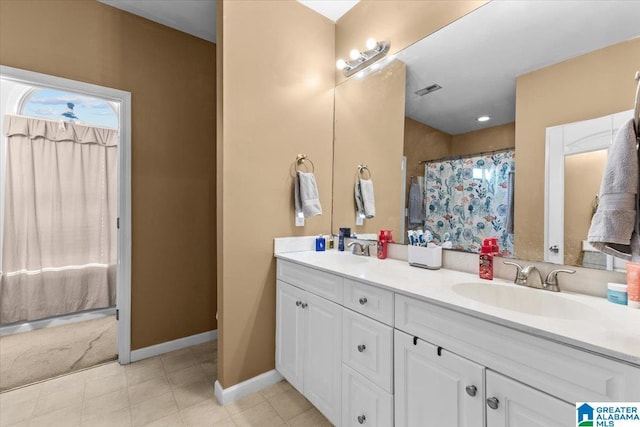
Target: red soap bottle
494, 246
486, 262
382, 245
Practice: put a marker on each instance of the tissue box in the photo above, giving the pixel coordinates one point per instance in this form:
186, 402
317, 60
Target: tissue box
425, 257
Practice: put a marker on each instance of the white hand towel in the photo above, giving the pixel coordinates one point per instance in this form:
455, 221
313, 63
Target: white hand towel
614, 226
365, 201
306, 195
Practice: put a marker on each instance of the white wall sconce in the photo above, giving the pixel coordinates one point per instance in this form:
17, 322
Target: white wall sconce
360, 60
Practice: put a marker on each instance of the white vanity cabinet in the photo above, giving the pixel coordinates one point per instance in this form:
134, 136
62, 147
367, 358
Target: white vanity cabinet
367, 355
308, 347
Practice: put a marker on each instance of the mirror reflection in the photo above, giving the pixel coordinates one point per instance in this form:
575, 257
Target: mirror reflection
536, 56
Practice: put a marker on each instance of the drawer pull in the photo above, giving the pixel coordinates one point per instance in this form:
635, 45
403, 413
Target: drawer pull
493, 402
361, 348
471, 390
304, 305
361, 419
363, 300
298, 303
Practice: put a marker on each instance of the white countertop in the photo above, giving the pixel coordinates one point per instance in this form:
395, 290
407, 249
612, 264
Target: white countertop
590, 323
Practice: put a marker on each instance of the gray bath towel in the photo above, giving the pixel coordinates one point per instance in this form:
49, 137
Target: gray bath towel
614, 227
365, 200
416, 201
306, 195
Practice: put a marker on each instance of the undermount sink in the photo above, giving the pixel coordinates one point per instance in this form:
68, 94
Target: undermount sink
537, 302
345, 258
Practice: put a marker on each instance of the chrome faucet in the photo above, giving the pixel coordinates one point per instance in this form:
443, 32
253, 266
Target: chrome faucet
358, 248
530, 276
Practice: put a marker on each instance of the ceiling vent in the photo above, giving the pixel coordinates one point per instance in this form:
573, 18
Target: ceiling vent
434, 87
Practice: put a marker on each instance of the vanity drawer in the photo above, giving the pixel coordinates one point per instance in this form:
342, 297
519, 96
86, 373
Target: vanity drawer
369, 300
318, 282
560, 370
367, 347
364, 402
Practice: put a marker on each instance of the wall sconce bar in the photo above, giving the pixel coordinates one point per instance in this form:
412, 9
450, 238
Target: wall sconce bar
376, 51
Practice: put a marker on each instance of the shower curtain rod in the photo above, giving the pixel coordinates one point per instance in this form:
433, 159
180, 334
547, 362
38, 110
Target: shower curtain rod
466, 156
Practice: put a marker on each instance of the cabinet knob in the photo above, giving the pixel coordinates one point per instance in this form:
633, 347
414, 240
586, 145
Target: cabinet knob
298, 303
493, 402
471, 390
304, 305
362, 418
363, 300
361, 348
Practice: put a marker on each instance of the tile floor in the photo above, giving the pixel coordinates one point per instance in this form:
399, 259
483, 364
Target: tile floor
175, 389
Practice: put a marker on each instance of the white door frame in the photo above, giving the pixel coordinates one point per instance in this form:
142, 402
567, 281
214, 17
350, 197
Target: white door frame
123, 275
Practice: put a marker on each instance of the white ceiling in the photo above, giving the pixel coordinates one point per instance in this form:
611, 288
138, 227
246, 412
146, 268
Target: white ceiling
477, 58
196, 17
332, 9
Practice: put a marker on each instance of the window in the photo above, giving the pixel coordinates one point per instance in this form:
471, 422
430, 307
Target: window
53, 104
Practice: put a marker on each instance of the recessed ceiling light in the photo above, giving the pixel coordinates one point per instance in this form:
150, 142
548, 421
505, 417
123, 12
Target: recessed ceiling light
483, 119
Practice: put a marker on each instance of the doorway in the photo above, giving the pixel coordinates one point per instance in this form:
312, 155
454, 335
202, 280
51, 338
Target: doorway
91, 291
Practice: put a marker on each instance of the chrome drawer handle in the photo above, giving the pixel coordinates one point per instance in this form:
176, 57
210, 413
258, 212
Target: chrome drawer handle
361, 419
298, 303
493, 402
363, 301
471, 390
361, 348
304, 305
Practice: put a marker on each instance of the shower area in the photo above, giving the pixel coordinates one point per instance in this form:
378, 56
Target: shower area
58, 231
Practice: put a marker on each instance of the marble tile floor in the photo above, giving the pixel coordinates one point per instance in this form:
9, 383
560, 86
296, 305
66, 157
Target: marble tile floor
174, 389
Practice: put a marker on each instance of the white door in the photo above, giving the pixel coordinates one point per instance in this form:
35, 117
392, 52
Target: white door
517, 405
290, 334
323, 351
435, 388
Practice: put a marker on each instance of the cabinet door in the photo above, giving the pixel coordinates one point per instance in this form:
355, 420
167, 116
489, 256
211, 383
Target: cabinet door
521, 406
290, 334
323, 351
431, 389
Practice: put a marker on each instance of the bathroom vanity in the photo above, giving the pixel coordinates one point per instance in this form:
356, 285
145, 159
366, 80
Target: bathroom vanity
379, 343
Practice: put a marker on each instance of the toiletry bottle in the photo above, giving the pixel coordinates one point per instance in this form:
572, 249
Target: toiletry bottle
320, 243
388, 236
494, 246
382, 245
341, 236
633, 284
486, 262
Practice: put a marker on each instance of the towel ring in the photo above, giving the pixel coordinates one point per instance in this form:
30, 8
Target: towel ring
300, 159
362, 169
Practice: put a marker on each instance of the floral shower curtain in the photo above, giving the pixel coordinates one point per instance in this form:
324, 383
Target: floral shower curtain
470, 199
59, 231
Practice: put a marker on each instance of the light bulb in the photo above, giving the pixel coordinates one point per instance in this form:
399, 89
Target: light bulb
483, 118
340, 64
371, 43
354, 54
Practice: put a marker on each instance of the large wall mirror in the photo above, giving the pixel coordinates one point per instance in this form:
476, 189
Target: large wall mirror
526, 65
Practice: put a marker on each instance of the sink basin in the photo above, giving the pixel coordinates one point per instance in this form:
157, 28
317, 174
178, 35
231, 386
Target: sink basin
536, 302
345, 258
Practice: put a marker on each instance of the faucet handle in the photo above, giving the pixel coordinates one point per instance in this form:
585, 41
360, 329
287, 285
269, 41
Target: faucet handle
518, 267
551, 282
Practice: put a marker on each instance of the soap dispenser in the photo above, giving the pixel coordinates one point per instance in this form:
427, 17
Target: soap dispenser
486, 260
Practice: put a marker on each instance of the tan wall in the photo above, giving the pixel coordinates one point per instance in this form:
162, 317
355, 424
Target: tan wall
402, 22
170, 76
277, 101
488, 139
582, 175
585, 87
369, 125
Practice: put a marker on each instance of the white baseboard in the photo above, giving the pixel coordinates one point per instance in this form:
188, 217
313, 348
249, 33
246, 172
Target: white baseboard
238, 391
166, 347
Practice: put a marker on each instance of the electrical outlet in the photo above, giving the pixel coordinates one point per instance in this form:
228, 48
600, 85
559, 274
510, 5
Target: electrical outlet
299, 221
359, 219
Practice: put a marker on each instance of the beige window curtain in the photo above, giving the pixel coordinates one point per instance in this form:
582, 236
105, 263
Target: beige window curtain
59, 231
